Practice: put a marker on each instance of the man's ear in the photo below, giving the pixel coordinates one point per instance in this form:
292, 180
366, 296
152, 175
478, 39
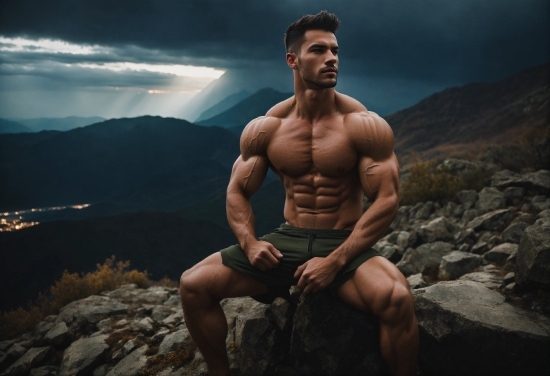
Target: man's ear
292, 60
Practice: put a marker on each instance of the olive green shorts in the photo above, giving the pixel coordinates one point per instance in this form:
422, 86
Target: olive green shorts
297, 246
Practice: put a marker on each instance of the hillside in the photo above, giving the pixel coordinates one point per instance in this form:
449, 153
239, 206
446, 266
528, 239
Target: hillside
253, 106
59, 124
223, 105
8, 126
164, 244
464, 121
147, 162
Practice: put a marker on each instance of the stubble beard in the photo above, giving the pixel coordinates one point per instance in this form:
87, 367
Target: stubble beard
317, 83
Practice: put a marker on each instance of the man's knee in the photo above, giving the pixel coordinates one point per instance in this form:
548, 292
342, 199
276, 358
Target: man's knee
400, 303
190, 285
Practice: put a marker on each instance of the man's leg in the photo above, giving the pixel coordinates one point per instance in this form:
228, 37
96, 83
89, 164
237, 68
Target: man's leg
379, 287
201, 289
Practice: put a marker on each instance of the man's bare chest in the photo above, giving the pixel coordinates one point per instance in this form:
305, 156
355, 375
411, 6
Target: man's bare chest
297, 149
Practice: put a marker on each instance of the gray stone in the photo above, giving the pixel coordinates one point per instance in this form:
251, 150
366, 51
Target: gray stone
512, 233
533, 257
489, 280
390, 252
533, 182
509, 278
511, 262
467, 198
45, 371
90, 310
525, 218
438, 229
5, 345
83, 356
490, 199
414, 260
480, 248
101, 370
282, 312
424, 210
469, 215
173, 339
467, 236
42, 328
173, 319
144, 325
493, 221
34, 357
128, 347
469, 329
416, 281
514, 193
500, 253
131, 365
330, 338
464, 248
59, 335
544, 214
159, 313
261, 344
457, 263
545, 221
173, 300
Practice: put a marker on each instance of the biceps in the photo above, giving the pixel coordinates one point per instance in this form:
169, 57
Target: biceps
379, 178
247, 176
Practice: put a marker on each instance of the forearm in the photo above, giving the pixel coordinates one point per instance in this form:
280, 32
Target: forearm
240, 217
372, 225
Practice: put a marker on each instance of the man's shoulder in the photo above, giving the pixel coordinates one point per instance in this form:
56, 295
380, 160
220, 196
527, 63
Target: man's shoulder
257, 134
282, 109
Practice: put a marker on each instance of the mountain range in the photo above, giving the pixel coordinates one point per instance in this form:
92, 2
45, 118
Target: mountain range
42, 124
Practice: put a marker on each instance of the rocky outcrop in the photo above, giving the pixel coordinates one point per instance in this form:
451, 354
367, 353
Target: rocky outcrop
478, 265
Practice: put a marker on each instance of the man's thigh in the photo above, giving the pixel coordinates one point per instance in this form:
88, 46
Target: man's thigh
372, 284
211, 276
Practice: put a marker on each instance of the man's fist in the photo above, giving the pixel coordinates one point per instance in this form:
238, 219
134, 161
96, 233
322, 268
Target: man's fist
263, 255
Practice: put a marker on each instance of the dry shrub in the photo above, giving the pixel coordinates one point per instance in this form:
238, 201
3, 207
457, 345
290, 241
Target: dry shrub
108, 276
424, 182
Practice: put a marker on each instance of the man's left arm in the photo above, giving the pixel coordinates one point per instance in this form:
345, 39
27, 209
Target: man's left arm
379, 176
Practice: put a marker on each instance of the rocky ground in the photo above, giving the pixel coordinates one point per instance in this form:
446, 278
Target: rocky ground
478, 265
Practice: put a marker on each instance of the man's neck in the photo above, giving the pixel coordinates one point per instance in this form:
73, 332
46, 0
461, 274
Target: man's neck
313, 104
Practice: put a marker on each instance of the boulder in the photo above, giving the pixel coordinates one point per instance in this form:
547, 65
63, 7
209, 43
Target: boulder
533, 257
90, 310
493, 221
512, 233
467, 236
438, 229
538, 182
457, 263
501, 253
59, 335
426, 255
131, 365
467, 329
424, 210
467, 198
490, 199
173, 339
83, 356
416, 281
34, 357
512, 194
44, 371
480, 248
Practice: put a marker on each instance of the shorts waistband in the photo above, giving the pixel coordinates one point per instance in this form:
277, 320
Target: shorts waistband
322, 232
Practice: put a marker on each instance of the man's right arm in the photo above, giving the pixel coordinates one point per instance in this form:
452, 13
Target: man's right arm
248, 173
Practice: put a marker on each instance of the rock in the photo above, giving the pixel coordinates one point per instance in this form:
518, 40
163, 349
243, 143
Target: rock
416, 281
424, 210
490, 199
5, 345
480, 248
261, 344
469, 215
457, 263
493, 221
464, 248
128, 347
430, 254
438, 229
42, 328
144, 325
512, 233
538, 182
390, 252
513, 193
540, 203
467, 236
282, 312
467, 198
59, 336
83, 356
467, 329
533, 257
500, 253
161, 312
173, 339
173, 319
45, 371
402, 239
131, 365
524, 218
34, 357
330, 338
89, 310
509, 278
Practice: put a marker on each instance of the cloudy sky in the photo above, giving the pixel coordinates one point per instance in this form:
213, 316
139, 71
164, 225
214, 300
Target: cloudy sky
128, 58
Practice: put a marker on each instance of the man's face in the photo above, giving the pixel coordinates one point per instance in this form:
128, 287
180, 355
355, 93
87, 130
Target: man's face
318, 59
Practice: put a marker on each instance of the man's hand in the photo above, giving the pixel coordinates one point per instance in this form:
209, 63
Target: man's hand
315, 274
263, 255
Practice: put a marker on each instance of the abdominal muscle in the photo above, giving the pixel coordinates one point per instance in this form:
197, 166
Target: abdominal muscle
320, 202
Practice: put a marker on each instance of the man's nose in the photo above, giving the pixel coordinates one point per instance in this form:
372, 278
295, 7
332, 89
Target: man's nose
331, 58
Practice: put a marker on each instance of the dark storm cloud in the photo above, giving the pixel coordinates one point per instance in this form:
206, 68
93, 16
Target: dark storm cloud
430, 40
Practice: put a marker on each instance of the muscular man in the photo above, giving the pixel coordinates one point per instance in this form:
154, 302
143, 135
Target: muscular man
328, 151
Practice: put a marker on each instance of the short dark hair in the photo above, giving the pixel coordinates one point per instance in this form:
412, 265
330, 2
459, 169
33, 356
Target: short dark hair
321, 21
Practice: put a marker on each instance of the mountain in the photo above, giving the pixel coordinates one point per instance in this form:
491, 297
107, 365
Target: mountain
462, 121
8, 126
164, 244
145, 163
59, 124
255, 105
223, 105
